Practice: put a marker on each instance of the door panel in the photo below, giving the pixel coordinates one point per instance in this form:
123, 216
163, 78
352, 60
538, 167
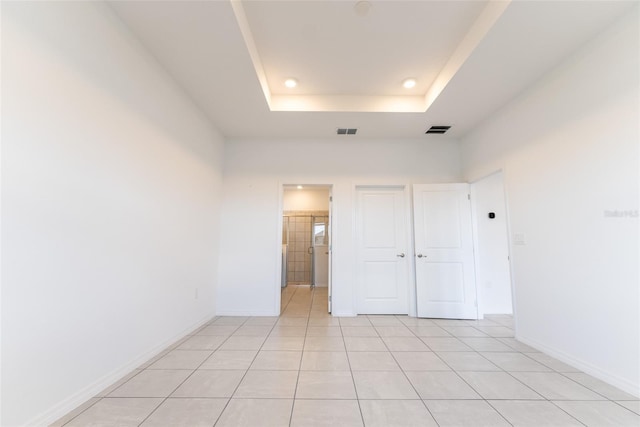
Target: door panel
382, 273
445, 280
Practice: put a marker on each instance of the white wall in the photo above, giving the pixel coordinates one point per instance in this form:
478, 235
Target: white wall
254, 174
493, 278
110, 198
569, 149
305, 200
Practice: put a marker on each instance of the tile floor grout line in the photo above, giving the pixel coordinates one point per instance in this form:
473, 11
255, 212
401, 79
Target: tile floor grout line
304, 342
191, 374
353, 380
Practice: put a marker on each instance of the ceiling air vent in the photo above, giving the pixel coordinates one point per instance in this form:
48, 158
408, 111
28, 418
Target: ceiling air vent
347, 131
438, 129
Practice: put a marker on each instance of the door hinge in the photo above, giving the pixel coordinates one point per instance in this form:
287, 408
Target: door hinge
468, 196
329, 298
331, 198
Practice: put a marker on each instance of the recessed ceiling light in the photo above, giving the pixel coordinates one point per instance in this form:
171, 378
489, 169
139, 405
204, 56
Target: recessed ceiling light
299, 187
409, 83
291, 83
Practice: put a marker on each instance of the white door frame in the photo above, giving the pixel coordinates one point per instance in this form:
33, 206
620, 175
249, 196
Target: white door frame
278, 244
406, 189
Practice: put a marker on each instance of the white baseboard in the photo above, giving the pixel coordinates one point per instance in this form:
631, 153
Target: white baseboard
72, 402
343, 314
222, 312
612, 379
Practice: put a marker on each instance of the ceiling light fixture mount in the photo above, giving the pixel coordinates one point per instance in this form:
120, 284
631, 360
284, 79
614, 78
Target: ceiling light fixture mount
299, 187
409, 83
362, 8
291, 83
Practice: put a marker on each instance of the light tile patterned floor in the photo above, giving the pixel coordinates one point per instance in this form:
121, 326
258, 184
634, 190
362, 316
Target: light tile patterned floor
307, 368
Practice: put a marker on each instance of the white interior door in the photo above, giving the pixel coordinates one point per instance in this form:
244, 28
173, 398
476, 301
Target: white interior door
445, 276
381, 227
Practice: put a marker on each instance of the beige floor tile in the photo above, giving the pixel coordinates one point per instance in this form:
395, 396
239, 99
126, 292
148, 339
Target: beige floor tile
152, 383
383, 385
324, 331
476, 413
242, 343
209, 383
517, 345
277, 361
415, 321
268, 384
532, 413
252, 331
230, 320
372, 361
181, 359
429, 331
600, 387
496, 331
219, 330
633, 406
394, 331
355, 321
441, 385
293, 321
118, 383
420, 361
119, 412
405, 344
384, 320
445, 344
283, 343
230, 359
359, 331
324, 361
485, 344
77, 411
261, 321
186, 413
467, 361
552, 362
202, 342
554, 386
515, 362
498, 385
396, 413
288, 331
324, 344
256, 412
464, 331
365, 344
329, 413
325, 320
600, 414
325, 385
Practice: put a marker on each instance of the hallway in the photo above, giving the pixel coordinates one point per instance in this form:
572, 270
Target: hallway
307, 368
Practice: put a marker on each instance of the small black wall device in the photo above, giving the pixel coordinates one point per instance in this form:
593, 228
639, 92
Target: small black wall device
492, 215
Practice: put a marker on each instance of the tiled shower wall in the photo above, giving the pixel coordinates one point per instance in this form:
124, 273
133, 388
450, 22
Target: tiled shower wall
297, 226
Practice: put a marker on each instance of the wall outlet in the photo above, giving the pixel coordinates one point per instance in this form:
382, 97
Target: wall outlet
519, 239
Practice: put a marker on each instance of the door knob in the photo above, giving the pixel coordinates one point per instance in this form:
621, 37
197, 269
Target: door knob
421, 256
400, 255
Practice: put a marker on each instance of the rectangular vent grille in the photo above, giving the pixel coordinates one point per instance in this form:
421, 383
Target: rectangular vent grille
438, 129
347, 131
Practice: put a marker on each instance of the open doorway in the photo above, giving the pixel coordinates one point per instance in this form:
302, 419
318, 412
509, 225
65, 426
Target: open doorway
306, 247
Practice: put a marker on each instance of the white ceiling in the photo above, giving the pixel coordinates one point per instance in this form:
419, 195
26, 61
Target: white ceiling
470, 58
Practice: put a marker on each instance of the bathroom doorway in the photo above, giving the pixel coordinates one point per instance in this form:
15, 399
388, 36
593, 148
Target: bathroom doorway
306, 237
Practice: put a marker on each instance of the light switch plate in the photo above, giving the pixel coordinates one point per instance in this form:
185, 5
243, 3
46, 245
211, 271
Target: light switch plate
519, 239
